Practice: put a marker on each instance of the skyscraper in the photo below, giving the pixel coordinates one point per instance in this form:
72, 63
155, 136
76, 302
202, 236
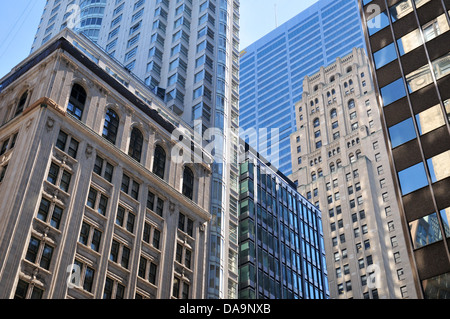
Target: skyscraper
341, 165
281, 245
273, 68
408, 44
92, 205
187, 52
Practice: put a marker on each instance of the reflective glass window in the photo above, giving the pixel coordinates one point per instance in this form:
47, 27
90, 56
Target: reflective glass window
385, 55
402, 132
393, 92
425, 230
441, 66
409, 42
401, 9
419, 78
377, 23
412, 178
430, 119
435, 27
445, 217
439, 167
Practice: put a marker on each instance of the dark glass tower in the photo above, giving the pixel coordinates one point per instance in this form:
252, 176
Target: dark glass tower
281, 247
409, 47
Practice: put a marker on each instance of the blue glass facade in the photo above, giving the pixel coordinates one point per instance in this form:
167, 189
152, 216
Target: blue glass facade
281, 245
273, 68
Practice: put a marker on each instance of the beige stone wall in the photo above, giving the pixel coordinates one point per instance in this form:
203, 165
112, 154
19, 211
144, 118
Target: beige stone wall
25, 184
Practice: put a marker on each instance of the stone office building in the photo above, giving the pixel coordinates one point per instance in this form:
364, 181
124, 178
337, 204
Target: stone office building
91, 203
340, 163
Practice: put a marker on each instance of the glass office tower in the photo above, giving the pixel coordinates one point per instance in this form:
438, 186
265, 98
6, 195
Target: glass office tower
281, 247
187, 52
273, 68
409, 47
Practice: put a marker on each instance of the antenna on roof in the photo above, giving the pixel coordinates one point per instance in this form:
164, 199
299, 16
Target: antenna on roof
276, 19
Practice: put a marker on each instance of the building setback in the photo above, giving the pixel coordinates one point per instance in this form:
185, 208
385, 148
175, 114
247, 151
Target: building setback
92, 205
341, 165
273, 68
408, 45
187, 52
281, 247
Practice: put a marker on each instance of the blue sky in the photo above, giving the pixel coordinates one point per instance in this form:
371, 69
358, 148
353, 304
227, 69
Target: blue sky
19, 20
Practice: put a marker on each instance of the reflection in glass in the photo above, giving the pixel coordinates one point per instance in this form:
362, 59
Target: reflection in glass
447, 108
430, 119
437, 287
393, 92
425, 231
412, 178
420, 3
435, 27
445, 217
401, 9
402, 132
439, 166
409, 42
377, 23
419, 78
385, 55
441, 66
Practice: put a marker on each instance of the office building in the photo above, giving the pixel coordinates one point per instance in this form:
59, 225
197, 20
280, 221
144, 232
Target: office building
281, 246
92, 203
188, 53
273, 68
341, 165
409, 52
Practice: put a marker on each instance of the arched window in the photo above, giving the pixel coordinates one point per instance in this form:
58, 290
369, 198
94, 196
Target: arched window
333, 91
21, 104
328, 94
136, 142
111, 126
333, 113
313, 176
345, 84
350, 82
77, 101
188, 183
332, 78
338, 163
316, 122
159, 161
352, 158
332, 168
351, 104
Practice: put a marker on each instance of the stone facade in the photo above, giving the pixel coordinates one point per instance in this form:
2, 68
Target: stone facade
79, 216
340, 163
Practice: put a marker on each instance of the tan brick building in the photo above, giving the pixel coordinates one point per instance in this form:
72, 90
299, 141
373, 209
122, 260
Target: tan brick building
340, 163
91, 203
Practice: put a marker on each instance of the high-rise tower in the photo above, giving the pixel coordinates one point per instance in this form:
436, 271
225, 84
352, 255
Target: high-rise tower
188, 52
273, 68
408, 44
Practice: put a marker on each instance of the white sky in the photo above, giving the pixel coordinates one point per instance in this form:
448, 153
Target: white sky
259, 17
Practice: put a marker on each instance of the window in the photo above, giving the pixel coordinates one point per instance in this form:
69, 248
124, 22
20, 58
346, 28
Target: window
120, 254
58, 176
90, 236
77, 101
385, 55
50, 213
425, 125
159, 162
186, 224
436, 167
188, 183
67, 144
147, 270
125, 218
151, 203
402, 132
377, 23
412, 178
111, 126
39, 253
419, 78
129, 186
393, 92
136, 142
151, 235
316, 122
441, 66
87, 277
103, 168
333, 113
21, 104
409, 42
26, 291
97, 201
